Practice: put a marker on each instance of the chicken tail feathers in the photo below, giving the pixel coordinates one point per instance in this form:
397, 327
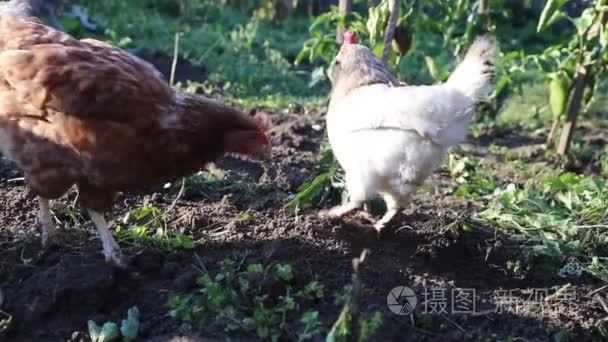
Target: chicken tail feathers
473, 75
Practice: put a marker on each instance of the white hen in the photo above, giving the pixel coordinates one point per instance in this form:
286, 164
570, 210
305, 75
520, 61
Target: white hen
390, 138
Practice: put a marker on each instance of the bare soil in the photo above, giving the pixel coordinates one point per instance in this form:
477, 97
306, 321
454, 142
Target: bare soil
51, 296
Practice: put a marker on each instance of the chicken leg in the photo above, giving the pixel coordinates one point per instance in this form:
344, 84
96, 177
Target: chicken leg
111, 250
394, 203
392, 208
341, 210
46, 221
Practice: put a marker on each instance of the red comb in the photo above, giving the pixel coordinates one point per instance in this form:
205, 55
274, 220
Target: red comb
350, 37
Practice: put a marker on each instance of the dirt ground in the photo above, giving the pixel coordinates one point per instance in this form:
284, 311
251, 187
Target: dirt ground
51, 297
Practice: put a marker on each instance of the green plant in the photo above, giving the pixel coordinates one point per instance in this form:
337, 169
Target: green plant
583, 59
476, 181
147, 226
284, 272
110, 331
322, 43
255, 298
312, 325
327, 185
350, 325
560, 216
204, 183
245, 57
604, 164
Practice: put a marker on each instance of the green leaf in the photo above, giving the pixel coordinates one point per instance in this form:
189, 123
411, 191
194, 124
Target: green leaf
255, 269
561, 336
109, 332
130, 326
310, 317
310, 193
341, 329
370, 326
550, 14
430, 64
585, 21
285, 272
94, 330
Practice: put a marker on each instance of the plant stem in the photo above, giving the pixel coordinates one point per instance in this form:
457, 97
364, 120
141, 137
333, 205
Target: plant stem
552, 133
573, 110
482, 7
175, 57
390, 29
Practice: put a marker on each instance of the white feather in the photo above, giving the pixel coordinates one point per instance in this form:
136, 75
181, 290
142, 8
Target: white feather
390, 139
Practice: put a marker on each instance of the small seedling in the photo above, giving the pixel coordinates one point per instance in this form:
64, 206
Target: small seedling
312, 325
110, 331
476, 181
284, 272
107, 333
312, 290
130, 327
350, 326
147, 226
559, 216
245, 298
328, 184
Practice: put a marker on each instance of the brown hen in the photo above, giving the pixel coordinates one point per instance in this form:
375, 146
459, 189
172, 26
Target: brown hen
81, 112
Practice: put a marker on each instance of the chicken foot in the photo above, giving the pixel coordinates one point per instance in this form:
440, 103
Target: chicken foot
341, 210
111, 250
393, 206
48, 230
366, 213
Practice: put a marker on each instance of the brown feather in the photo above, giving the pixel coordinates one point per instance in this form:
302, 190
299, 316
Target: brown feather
83, 112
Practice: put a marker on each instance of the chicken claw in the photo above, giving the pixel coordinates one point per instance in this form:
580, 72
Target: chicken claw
114, 256
327, 214
393, 207
341, 210
111, 250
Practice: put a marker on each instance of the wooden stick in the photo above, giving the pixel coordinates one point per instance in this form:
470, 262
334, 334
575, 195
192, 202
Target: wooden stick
175, 57
552, 133
390, 30
597, 290
573, 110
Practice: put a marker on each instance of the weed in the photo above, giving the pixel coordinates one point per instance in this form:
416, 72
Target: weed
284, 272
204, 183
560, 216
475, 180
312, 325
254, 299
604, 164
350, 326
147, 227
328, 184
110, 331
